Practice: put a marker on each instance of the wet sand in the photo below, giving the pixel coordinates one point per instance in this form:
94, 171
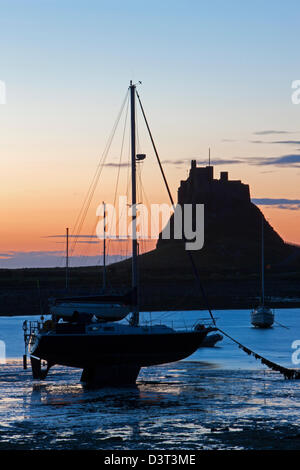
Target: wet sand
219, 398
186, 405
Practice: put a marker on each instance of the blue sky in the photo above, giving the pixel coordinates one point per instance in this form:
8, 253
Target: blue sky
215, 53
215, 73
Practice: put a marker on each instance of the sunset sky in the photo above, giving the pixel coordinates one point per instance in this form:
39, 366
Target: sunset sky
214, 74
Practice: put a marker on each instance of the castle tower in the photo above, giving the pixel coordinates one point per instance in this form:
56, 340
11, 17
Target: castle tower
201, 187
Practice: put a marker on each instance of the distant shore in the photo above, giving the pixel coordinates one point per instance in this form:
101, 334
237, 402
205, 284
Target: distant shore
157, 309
26, 292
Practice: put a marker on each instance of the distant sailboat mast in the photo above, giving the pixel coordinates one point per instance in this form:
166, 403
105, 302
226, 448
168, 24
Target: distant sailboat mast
262, 262
135, 311
262, 316
104, 247
67, 258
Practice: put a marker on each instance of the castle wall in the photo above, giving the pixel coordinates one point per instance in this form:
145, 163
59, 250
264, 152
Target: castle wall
201, 187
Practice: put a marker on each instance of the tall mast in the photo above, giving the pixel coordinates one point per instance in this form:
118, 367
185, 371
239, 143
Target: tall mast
135, 310
104, 247
67, 258
262, 262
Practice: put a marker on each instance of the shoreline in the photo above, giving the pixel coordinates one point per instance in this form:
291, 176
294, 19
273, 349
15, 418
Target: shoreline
26, 292
277, 306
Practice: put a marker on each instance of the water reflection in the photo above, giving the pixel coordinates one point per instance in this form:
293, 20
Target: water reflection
145, 393
203, 403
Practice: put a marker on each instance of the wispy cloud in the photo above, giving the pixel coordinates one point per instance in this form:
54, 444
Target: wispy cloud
70, 236
85, 242
220, 161
216, 161
6, 255
280, 142
282, 161
183, 161
49, 259
279, 203
8, 259
286, 142
115, 238
270, 132
113, 165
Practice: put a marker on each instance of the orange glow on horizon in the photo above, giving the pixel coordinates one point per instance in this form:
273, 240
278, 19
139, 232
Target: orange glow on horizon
31, 216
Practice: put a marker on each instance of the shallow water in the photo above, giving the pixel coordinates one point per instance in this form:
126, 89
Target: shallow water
218, 398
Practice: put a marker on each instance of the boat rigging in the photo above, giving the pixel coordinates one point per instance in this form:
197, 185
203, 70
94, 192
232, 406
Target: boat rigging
262, 316
89, 336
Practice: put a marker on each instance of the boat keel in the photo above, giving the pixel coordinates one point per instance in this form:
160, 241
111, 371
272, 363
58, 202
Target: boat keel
110, 376
37, 371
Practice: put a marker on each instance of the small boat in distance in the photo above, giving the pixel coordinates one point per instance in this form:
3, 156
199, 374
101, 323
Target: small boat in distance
103, 307
107, 306
262, 316
211, 340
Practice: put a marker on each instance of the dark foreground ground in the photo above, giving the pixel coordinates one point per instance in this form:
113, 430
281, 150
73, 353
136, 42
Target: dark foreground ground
180, 406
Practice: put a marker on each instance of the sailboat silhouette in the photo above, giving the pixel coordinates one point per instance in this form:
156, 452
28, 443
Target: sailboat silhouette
262, 316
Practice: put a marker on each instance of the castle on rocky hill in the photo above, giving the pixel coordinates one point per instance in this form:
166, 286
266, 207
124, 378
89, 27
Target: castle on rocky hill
232, 224
201, 186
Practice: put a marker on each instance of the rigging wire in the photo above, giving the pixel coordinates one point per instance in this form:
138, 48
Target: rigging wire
109, 238
189, 253
87, 201
118, 176
280, 324
286, 372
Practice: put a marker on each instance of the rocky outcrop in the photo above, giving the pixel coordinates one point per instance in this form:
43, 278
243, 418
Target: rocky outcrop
232, 226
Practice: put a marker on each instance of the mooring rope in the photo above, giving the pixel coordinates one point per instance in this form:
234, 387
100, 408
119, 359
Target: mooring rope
280, 324
287, 373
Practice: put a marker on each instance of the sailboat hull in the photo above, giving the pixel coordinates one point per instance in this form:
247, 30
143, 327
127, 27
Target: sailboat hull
142, 350
262, 317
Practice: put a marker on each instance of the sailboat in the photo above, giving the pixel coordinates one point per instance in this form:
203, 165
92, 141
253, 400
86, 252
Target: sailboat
109, 352
262, 316
108, 306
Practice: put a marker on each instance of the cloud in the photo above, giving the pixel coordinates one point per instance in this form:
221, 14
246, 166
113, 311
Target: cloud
113, 165
282, 161
70, 236
19, 258
49, 259
270, 132
183, 161
279, 203
5, 255
216, 161
220, 161
287, 161
286, 142
280, 142
91, 242
116, 238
